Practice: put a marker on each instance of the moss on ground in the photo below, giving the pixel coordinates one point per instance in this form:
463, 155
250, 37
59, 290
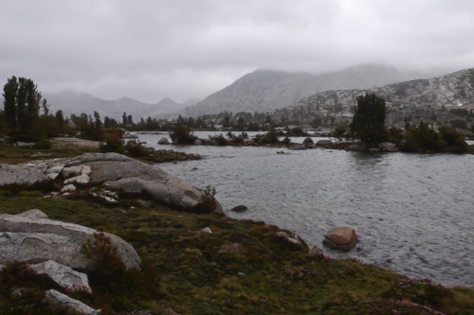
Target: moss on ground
184, 272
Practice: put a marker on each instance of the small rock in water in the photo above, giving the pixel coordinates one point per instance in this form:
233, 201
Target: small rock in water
163, 140
308, 140
239, 208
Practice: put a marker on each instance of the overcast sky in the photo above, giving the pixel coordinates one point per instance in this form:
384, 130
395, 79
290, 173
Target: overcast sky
151, 49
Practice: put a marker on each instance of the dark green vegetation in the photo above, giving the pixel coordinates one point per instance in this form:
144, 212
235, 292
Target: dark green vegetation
368, 122
184, 271
26, 116
368, 126
422, 138
180, 133
21, 108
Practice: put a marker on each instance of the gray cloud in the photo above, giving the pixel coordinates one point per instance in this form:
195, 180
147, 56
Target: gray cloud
186, 48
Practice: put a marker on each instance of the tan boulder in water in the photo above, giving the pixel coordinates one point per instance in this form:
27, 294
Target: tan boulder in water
341, 238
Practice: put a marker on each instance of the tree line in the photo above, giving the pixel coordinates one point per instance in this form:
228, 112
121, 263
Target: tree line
27, 117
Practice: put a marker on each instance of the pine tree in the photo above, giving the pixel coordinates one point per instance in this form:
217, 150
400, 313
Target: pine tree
10, 109
368, 122
21, 107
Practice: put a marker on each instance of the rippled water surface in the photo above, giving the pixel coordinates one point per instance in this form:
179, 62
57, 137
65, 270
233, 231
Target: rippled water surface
413, 213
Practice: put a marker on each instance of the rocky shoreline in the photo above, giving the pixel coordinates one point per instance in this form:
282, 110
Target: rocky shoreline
58, 248
308, 143
103, 171
68, 252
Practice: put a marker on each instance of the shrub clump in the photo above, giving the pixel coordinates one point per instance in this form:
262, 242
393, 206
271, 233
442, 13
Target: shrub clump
208, 202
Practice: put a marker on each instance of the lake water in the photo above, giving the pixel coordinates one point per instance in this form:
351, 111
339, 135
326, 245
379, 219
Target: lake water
413, 213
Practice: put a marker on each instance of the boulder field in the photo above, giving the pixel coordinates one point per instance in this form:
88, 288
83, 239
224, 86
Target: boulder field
59, 250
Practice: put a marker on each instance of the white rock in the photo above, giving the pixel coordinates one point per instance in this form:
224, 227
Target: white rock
80, 180
52, 176
109, 193
104, 197
21, 175
86, 170
170, 191
59, 300
68, 188
71, 171
109, 200
206, 230
63, 275
55, 169
27, 239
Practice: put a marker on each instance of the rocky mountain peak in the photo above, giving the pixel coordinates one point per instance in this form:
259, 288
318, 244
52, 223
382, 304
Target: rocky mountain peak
266, 90
434, 100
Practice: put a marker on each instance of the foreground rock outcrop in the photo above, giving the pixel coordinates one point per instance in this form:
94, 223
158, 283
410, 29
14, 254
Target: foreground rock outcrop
111, 170
59, 250
64, 302
22, 174
63, 275
33, 239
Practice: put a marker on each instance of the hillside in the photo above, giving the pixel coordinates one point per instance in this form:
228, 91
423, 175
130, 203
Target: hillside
267, 90
428, 99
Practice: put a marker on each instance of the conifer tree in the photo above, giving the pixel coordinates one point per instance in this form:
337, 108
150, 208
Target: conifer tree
21, 107
368, 122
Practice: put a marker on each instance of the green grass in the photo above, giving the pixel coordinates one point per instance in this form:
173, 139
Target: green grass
183, 270
14, 155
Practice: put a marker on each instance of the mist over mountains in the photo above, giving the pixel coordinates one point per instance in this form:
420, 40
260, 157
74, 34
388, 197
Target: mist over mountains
73, 102
261, 90
267, 90
431, 100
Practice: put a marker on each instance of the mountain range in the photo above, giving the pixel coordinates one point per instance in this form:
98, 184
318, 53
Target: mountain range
267, 90
73, 102
431, 99
270, 91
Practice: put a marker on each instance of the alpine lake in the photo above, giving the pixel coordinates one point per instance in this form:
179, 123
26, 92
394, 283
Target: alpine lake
413, 213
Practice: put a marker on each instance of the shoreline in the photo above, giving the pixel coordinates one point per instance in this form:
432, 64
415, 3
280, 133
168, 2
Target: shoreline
193, 267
